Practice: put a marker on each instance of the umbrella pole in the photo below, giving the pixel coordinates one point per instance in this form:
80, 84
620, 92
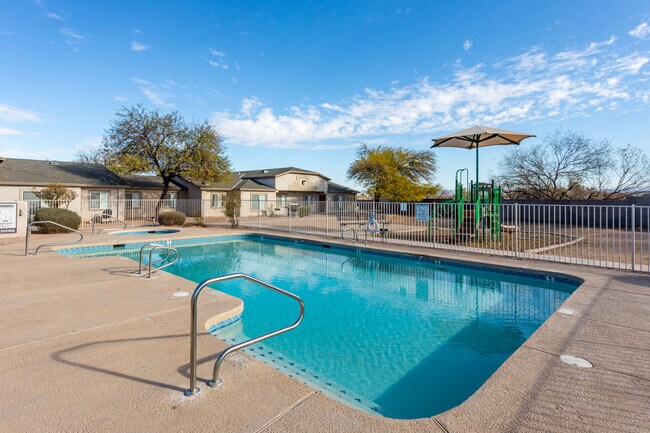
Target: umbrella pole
476, 183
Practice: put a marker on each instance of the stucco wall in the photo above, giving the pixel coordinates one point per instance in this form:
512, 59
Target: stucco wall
300, 182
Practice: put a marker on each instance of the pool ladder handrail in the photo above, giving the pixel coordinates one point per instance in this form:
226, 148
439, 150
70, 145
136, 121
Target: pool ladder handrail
51, 244
216, 380
151, 263
103, 217
355, 233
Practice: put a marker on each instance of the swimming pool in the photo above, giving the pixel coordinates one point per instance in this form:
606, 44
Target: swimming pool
387, 333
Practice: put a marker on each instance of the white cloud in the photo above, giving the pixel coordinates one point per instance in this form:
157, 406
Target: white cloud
468, 44
71, 33
530, 86
7, 131
14, 114
218, 59
137, 46
3, 33
47, 12
156, 94
641, 31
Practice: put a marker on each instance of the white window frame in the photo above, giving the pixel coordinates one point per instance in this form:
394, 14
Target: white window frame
308, 198
259, 199
135, 200
281, 200
216, 200
100, 200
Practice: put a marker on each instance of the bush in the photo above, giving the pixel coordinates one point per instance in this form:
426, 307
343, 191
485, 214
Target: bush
172, 218
62, 216
304, 211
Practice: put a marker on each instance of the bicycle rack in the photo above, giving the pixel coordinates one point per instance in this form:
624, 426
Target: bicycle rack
29, 231
216, 380
151, 263
103, 217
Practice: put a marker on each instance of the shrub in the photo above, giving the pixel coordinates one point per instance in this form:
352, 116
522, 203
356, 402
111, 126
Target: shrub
231, 207
58, 215
304, 211
171, 218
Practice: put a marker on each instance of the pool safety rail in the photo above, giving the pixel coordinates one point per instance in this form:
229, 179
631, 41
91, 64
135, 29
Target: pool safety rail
151, 264
216, 380
50, 244
101, 217
355, 234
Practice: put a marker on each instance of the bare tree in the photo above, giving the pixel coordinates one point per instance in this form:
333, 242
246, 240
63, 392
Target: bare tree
628, 171
94, 155
570, 165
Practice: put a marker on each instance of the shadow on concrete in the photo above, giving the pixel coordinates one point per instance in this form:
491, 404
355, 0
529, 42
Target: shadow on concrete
183, 370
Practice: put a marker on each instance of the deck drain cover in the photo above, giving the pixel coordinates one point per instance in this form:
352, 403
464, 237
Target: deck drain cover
181, 294
567, 311
575, 361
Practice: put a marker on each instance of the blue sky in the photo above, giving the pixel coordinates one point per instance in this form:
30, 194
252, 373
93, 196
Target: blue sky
304, 83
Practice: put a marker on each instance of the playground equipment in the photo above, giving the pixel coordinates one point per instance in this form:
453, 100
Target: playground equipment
475, 208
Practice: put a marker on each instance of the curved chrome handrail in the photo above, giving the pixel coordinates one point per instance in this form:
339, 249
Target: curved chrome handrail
216, 380
151, 263
29, 231
354, 233
104, 216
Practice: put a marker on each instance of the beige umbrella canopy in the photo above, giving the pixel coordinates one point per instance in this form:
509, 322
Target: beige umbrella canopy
479, 136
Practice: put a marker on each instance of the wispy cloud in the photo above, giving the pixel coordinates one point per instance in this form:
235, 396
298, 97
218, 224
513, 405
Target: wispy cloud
137, 46
71, 33
48, 13
537, 84
468, 44
14, 114
218, 59
7, 131
158, 95
641, 31
3, 33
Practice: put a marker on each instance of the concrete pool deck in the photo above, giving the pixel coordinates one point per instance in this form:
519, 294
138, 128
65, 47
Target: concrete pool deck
88, 346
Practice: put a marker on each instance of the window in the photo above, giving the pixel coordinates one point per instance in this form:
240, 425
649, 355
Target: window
99, 199
217, 200
133, 200
170, 199
338, 198
258, 201
307, 198
281, 200
33, 201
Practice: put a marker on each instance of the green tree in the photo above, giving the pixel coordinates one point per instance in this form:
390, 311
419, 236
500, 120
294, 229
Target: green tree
140, 141
231, 206
56, 195
394, 174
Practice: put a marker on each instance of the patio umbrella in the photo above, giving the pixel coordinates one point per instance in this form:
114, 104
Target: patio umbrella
479, 136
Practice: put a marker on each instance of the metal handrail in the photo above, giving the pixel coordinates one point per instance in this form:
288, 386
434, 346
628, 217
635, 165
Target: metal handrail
28, 232
216, 380
151, 263
102, 217
355, 234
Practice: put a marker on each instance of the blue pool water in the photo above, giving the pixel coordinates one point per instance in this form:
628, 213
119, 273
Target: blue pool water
385, 333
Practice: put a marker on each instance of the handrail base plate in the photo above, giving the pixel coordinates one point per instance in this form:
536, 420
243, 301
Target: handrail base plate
212, 384
190, 393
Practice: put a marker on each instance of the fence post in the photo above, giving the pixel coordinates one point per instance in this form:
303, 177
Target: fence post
516, 229
633, 236
327, 219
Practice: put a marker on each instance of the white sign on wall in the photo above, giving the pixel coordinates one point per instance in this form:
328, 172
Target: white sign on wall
8, 217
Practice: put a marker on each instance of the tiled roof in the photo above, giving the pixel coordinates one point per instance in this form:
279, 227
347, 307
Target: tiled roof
337, 188
37, 172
